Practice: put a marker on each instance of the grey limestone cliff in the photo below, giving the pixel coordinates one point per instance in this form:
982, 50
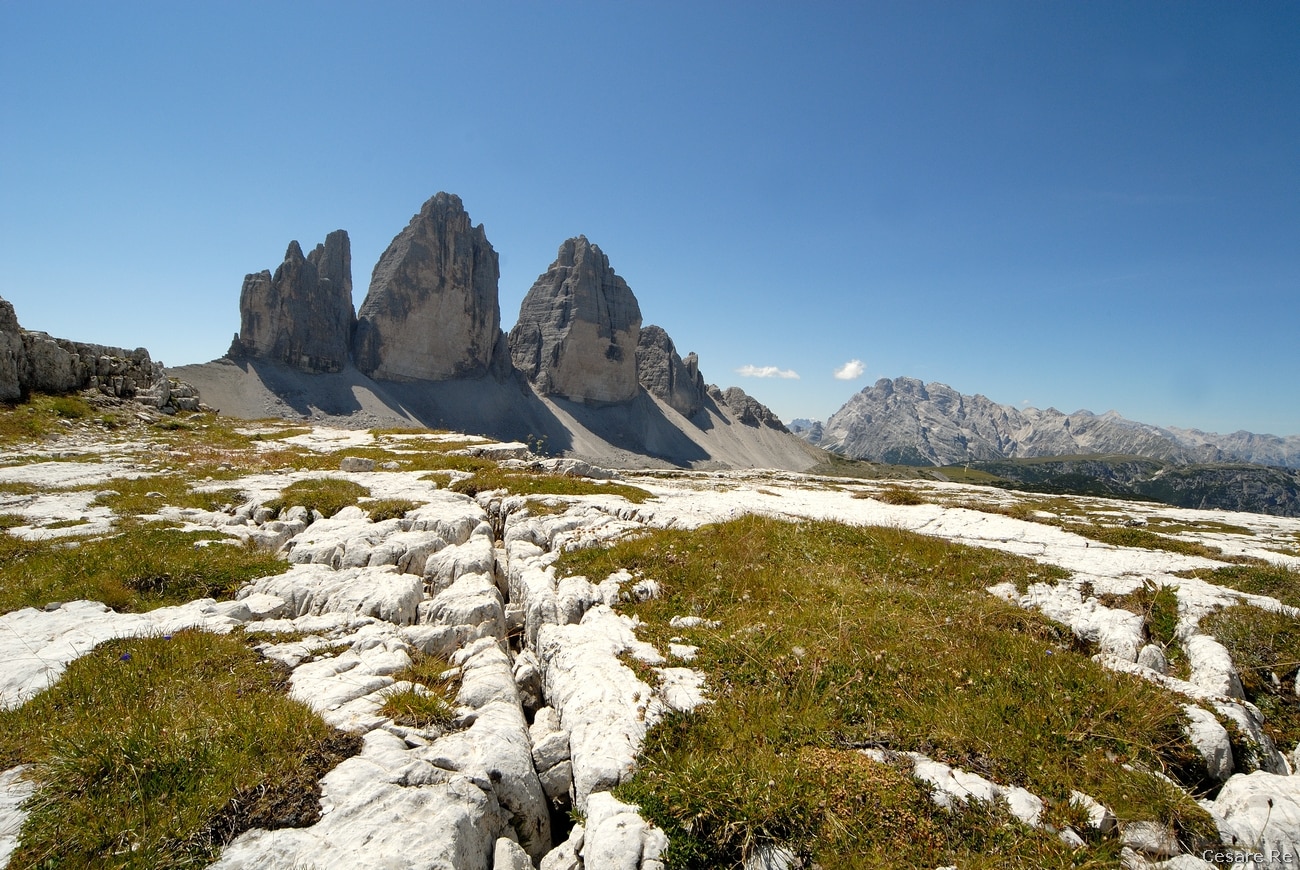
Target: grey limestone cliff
665, 374
579, 328
432, 311
302, 315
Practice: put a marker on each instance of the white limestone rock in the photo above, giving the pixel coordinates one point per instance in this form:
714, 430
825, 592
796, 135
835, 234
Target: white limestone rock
384, 808
472, 600
617, 838
498, 742
1211, 740
1212, 667
565, 855
508, 855
602, 704
317, 589
1150, 839
15, 789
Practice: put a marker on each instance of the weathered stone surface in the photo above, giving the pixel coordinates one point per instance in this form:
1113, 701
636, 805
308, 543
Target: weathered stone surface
432, 311
578, 329
618, 838
665, 374
302, 315
1263, 811
15, 789
1211, 740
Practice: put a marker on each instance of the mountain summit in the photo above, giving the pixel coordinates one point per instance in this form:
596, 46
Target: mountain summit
908, 422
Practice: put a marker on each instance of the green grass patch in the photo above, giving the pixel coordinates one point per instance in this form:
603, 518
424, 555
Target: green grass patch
432, 702
18, 487
388, 508
1127, 536
1265, 647
67, 524
532, 483
141, 568
1275, 581
329, 495
898, 495
39, 417
154, 753
130, 497
11, 521
281, 434
836, 637
1173, 527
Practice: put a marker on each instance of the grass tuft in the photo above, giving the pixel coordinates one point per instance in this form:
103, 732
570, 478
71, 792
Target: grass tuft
155, 752
388, 508
431, 702
532, 483
329, 495
141, 568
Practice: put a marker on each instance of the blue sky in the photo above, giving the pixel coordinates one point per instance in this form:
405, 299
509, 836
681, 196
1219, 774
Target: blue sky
1080, 205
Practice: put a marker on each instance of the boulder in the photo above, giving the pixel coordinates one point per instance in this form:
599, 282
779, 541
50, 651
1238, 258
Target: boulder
1263, 809
665, 374
578, 329
432, 311
302, 315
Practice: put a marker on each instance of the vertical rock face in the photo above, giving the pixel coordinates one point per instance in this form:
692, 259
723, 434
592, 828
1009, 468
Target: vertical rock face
665, 374
302, 315
432, 311
11, 354
578, 329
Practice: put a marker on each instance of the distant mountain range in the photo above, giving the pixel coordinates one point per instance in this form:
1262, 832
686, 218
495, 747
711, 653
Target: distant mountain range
906, 422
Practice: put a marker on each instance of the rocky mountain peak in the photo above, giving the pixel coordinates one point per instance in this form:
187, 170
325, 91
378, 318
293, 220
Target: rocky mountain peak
578, 330
909, 422
432, 311
302, 315
665, 374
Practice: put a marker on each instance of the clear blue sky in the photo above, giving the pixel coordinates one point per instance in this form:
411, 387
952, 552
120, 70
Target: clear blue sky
1082, 205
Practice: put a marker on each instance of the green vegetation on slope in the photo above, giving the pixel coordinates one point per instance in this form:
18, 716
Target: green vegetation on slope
140, 568
837, 637
153, 753
1265, 647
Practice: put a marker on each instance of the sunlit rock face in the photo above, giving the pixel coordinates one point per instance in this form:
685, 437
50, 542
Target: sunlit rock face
578, 329
302, 315
432, 311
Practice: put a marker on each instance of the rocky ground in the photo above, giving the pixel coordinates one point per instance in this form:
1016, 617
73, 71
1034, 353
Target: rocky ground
556, 690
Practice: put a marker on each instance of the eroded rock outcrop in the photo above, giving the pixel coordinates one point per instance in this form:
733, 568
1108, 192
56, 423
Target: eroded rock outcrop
665, 374
37, 362
302, 315
432, 311
746, 408
578, 329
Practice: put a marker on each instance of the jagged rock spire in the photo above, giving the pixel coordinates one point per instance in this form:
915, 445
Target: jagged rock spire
432, 311
302, 315
578, 329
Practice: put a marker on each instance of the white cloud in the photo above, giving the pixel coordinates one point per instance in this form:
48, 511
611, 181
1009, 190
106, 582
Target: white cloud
766, 372
850, 370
